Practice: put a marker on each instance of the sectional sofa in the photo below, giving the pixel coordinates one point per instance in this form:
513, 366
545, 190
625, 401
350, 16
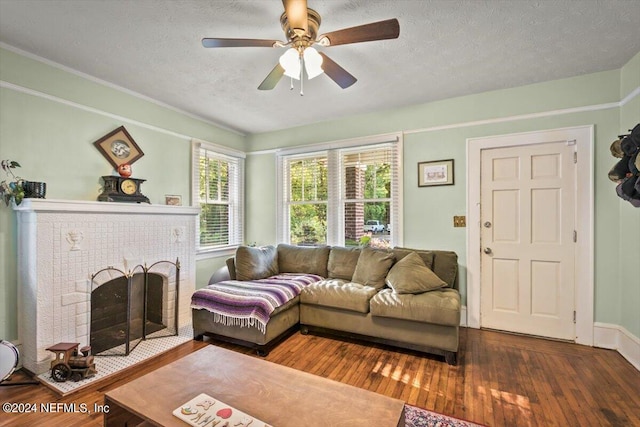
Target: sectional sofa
401, 297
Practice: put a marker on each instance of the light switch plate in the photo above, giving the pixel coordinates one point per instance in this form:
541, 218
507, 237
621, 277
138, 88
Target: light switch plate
460, 221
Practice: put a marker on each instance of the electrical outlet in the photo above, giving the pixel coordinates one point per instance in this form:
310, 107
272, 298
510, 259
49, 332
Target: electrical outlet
460, 221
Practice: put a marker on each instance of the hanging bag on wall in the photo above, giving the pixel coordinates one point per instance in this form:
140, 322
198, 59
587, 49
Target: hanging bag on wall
626, 172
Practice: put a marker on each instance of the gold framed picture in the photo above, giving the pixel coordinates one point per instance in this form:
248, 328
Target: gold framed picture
439, 172
118, 147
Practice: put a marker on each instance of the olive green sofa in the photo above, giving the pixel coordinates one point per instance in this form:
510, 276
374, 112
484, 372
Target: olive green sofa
402, 297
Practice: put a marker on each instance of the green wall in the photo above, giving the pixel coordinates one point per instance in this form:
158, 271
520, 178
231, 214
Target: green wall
49, 119
52, 139
439, 130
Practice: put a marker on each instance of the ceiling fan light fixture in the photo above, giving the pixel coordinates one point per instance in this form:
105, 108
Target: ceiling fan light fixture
290, 61
312, 62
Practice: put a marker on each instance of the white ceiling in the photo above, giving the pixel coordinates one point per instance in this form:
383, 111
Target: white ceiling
446, 48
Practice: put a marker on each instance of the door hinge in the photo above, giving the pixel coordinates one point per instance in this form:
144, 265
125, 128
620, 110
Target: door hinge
575, 236
575, 157
574, 316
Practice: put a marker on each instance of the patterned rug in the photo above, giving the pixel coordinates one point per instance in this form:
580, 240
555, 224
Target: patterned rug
417, 417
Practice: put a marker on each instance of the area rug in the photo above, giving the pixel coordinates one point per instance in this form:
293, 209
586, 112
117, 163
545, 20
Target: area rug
417, 417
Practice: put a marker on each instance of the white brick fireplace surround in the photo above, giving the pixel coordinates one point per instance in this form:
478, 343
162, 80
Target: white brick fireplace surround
62, 243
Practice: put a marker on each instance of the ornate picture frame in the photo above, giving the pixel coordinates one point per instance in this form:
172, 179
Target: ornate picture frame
438, 172
118, 147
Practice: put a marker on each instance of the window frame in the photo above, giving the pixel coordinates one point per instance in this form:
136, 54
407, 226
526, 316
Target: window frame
235, 196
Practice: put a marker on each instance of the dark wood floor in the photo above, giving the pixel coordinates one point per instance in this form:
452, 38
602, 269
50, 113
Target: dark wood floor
500, 380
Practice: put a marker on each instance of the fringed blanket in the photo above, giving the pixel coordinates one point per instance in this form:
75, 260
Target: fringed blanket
250, 303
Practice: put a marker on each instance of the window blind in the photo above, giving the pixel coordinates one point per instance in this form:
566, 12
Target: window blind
218, 189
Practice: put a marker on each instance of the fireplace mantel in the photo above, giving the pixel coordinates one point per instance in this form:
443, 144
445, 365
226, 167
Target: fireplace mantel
61, 243
81, 206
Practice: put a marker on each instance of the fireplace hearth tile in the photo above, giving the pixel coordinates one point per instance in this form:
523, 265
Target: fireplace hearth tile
110, 365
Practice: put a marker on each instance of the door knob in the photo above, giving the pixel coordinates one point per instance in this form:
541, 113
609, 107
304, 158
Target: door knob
487, 251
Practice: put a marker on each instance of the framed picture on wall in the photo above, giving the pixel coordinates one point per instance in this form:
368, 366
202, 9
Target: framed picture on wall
118, 147
438, 172
173, 200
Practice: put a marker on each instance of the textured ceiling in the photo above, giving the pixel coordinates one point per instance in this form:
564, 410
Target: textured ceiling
446, 48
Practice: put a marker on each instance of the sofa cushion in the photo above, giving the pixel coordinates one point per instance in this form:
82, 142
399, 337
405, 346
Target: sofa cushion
426, 256
256, 263
338, 293
411, 276
445, 264
372, 267
342, 262
303, 259
441, 307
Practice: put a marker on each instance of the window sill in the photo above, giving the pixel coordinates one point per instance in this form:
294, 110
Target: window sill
215, 252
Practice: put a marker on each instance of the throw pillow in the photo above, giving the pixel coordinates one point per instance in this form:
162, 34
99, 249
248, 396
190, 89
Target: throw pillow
411, 276
256, 263
372, 267
342, 262
427, 256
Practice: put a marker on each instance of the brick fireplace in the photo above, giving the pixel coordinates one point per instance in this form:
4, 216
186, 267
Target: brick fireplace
61, 244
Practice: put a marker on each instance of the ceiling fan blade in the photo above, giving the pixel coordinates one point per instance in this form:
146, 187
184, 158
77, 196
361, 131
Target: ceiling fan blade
215, 42
296, 11
336, 72
273, 78
389, 29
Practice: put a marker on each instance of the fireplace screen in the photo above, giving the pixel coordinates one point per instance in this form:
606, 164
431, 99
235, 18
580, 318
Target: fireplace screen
134, 306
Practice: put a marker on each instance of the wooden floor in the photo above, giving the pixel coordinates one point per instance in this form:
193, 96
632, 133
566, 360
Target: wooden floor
500, 380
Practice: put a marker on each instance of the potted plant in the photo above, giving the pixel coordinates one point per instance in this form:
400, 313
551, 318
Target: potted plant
13, 187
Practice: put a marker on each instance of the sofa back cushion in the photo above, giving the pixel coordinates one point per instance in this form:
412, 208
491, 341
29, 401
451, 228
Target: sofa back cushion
411, 276
303, 259
444, 264
372, 267
256, 263
342, 262
426, 256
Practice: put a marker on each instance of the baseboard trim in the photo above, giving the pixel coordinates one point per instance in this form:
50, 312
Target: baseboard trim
463, 316
615, 337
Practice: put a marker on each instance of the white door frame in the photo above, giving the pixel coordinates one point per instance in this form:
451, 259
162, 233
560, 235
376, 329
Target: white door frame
584, 274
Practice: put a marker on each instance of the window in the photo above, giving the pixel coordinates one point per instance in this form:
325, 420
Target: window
338, 195
366, 192
307, 200
218, 189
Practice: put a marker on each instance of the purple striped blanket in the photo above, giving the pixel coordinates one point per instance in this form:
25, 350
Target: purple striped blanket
250, 303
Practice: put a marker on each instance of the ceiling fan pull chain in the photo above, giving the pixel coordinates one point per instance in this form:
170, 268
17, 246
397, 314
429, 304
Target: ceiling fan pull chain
301, 76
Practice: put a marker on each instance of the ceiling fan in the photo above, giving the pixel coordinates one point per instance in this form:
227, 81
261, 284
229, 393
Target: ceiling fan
300, 25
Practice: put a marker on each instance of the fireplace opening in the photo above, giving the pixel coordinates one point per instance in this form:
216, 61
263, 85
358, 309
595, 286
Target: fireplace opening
118, 312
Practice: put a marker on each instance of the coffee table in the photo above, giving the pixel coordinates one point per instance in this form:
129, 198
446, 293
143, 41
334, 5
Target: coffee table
275, 394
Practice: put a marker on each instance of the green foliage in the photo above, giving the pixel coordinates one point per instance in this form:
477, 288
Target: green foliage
377, 186
308, 224
13, 189
309, 180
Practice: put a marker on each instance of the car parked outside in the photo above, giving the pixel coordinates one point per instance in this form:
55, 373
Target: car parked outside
373, 226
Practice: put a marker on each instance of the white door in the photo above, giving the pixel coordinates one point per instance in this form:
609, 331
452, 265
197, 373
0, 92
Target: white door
527, 204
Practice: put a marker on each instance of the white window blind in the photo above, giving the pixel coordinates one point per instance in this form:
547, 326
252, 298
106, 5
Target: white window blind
327, 197
306, 199
218, 189
368, 193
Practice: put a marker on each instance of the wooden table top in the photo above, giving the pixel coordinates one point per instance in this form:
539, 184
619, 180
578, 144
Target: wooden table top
275, 394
